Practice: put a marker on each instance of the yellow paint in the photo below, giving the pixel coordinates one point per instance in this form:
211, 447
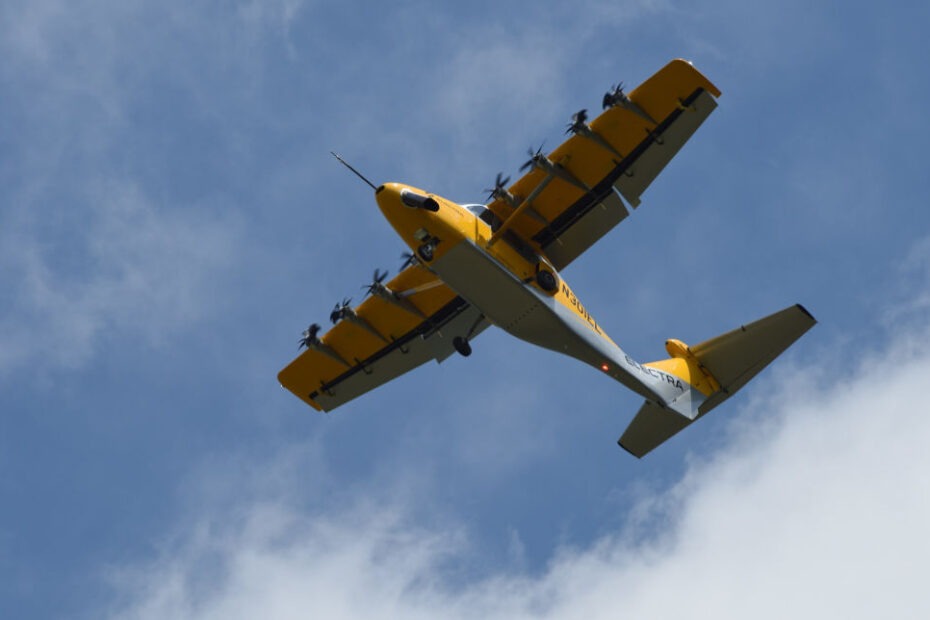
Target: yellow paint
508, 223
589, 162
450, 224
567, 298
311, 369
585, 160
684, 365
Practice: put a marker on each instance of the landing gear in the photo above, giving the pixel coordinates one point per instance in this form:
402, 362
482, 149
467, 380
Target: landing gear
546, 281
425, 252
461, 342
461, 345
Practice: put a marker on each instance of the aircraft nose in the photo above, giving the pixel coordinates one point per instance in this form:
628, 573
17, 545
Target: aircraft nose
408, 209
388, 198
392, 206
396, 199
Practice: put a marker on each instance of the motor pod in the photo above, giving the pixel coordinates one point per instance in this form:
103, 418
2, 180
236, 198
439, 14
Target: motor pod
418, 201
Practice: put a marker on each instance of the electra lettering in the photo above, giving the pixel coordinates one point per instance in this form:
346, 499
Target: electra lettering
655, 373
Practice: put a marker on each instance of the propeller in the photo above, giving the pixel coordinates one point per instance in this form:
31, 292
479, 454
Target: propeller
341, 310
499, 189
409, 259
376, 281
533, 157
614, 96
308, 337
578, 122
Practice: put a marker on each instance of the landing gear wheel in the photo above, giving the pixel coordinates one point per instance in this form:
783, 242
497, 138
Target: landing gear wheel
461, 345
546, 281
425, 252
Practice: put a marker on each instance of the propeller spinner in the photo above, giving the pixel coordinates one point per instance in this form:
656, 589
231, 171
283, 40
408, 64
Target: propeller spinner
376, 281
499, 190
534, 157
578, 122
341, 310
409, 259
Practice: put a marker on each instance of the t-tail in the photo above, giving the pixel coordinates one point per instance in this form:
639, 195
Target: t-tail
710, 373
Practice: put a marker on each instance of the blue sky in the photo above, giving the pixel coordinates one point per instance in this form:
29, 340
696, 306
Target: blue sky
171, 219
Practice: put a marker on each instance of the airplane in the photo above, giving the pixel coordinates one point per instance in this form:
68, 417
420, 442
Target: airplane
472, 266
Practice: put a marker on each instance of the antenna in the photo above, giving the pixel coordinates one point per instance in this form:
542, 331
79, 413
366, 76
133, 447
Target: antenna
359, 174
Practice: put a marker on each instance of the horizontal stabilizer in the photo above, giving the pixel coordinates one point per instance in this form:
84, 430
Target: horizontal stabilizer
737, 356
651, 426
732, 359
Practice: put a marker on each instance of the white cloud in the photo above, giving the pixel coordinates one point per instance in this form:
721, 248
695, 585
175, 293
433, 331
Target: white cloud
913, 301
817, 508
122, 263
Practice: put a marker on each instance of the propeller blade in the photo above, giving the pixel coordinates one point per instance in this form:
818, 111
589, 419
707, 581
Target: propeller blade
409, 259
578, 121
614, 95
498, 190
308, 336
376, 279
533, 157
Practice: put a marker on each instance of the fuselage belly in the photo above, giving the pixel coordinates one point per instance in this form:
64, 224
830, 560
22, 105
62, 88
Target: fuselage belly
531, 315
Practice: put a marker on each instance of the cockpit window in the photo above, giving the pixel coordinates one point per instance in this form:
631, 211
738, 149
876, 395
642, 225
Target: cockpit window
484, 214
510, 238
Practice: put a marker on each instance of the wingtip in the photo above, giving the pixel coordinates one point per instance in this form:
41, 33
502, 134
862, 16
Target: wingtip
805, 311
627, 450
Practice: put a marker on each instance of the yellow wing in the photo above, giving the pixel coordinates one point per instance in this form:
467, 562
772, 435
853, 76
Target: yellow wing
623, 149
384, 337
